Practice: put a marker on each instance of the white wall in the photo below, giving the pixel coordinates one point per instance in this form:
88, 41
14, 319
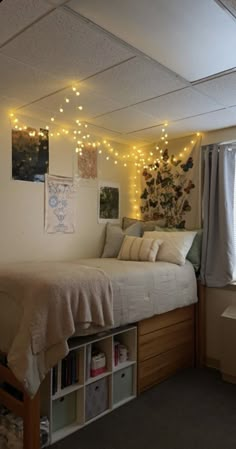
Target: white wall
22, 235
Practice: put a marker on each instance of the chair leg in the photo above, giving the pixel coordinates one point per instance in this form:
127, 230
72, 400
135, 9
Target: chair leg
32, 422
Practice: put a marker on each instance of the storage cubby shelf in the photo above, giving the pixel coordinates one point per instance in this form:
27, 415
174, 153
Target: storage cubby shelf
91, 397
90, 380
66, 391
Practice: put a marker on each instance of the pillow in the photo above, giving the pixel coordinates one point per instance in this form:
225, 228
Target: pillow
115, 236
194, 254
139, 249
145, 225
175, 246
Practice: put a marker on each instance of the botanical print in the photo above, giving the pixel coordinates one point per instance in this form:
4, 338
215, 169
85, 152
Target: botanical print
109, 196
30, 155
60, 204
87, 163
168, 186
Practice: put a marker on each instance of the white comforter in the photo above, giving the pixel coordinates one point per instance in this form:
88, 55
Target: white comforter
140, 290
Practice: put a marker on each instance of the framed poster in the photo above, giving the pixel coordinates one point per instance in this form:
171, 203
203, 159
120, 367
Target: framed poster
108, 202
30, 154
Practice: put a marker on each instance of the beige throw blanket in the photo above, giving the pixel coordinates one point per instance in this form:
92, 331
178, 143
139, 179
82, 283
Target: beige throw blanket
54, 298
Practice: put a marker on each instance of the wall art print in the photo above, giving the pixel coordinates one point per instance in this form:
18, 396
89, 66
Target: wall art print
30, 154
108, 202
87, 163
170, 192
60, 204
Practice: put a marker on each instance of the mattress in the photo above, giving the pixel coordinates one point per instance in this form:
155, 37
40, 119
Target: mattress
140, 290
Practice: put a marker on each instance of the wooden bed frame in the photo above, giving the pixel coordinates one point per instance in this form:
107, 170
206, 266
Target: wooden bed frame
194, 315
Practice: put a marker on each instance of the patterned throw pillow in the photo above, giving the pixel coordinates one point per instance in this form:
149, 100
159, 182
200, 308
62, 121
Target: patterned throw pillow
139, 249
115, 236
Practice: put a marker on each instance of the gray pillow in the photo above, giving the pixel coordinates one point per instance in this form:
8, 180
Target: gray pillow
145, 225
115, 236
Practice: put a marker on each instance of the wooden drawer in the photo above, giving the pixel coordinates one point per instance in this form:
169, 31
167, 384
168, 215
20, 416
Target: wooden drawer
159, 368
163, 340
165, 320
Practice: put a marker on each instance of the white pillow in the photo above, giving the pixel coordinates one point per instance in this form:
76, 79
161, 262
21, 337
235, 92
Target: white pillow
139, 249
175, 246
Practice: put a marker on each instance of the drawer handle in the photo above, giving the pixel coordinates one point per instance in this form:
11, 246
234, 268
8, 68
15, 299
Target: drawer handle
123, 375
62, 399
97, 388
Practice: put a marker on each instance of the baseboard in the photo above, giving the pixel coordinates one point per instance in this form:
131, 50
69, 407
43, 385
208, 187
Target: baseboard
213, 363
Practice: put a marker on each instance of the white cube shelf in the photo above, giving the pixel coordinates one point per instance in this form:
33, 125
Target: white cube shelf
72, 398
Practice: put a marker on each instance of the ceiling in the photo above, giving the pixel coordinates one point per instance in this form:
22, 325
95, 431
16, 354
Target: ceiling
137, 65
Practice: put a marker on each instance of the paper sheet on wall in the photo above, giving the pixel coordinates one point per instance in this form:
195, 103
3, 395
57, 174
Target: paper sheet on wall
60, 204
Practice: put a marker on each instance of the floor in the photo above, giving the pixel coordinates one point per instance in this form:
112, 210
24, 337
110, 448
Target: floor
194, 409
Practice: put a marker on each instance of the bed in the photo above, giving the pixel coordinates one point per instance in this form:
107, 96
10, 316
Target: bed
140, 291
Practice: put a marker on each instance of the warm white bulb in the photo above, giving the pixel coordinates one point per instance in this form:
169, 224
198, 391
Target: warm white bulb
67, 100
77, 93
61, 109
52, 119
80, 108
115, 162
107, 158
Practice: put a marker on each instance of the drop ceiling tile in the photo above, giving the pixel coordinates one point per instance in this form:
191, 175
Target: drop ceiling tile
23, 82
14, 18
149, 135
92, 102
177, 105
206, 122
126, 120
193, 38
136, 80
65, 45
221, 89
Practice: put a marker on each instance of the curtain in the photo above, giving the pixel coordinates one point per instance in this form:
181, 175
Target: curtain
218, 250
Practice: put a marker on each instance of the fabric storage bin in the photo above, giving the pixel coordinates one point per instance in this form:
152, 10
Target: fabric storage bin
122, 384
64, 411
96, 398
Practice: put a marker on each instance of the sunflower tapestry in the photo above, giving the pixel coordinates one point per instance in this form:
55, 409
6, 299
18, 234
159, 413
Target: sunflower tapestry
171, 189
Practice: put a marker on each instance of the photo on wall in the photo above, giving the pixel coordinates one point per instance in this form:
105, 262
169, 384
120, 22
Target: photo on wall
108, 202
30, 154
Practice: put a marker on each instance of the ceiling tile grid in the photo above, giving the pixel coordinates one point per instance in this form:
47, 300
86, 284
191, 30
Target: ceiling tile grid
126, 120
136, 80
24, 82
64, 45
177, 105
15, 17
193, 38
222, 89
92, 103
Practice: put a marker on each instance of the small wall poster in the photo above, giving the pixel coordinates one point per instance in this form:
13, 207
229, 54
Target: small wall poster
30, 154
87, 163
108, 202
60, 204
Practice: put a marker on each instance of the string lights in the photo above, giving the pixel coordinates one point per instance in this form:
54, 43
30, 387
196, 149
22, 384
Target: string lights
78, 131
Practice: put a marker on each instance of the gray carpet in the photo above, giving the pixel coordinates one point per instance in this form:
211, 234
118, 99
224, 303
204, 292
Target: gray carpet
194, 409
